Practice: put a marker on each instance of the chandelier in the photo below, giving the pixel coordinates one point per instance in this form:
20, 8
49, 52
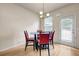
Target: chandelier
42, 13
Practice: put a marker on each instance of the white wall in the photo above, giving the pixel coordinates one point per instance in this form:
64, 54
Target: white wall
13, 21
66, 11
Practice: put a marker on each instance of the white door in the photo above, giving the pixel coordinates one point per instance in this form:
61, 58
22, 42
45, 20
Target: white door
67, 30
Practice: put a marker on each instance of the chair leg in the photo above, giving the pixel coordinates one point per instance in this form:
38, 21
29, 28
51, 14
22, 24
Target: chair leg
40, 50
37, 46
48, 50
33, 47
26, 45
52, 43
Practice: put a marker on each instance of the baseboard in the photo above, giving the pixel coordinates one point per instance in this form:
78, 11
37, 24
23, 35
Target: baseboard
11, 47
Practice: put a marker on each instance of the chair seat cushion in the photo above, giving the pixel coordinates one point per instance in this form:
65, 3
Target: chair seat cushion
50, 39
30, 39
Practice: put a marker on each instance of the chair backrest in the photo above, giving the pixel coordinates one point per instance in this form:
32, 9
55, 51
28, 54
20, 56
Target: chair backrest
44, 38
26, 35
51, 35
39, 31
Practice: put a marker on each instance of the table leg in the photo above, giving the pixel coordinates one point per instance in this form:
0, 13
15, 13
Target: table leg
35, 43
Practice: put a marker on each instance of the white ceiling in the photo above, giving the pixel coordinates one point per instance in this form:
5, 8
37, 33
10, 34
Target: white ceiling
37, 7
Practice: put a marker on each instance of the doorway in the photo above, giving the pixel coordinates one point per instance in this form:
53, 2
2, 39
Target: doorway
67, 30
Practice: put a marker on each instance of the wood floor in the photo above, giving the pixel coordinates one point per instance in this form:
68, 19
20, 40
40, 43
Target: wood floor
59, 50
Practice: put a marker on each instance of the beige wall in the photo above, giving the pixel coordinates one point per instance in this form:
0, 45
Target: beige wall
73, 10
13, 21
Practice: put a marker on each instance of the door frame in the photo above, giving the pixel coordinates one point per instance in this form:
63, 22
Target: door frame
73, 44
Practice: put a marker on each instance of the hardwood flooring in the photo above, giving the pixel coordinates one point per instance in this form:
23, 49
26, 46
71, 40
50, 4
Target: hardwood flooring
59, 50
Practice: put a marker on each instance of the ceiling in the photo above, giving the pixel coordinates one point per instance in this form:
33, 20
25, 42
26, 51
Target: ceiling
48, 7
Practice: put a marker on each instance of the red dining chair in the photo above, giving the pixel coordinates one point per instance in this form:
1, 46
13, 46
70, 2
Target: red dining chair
51, 37
28, 40
43, 42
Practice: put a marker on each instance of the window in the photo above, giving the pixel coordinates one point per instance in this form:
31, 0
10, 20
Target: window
48, 24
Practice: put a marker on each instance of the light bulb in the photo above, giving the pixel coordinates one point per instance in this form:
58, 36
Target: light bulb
41, 12
47, 14
41, 16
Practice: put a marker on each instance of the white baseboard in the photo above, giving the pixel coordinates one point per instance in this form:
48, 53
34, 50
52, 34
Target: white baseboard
11, 47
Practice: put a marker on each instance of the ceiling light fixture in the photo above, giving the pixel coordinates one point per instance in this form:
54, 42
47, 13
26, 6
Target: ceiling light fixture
42, 13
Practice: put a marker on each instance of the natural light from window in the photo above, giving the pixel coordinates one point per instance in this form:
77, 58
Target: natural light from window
48, 24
